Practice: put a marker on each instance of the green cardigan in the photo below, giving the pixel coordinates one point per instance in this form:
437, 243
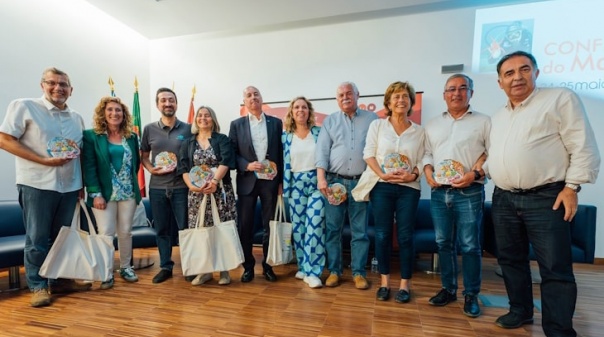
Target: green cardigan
96, 165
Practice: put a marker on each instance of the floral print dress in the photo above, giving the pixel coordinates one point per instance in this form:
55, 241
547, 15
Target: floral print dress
224, 195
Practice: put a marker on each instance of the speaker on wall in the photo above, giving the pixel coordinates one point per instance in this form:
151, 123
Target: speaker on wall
451, 68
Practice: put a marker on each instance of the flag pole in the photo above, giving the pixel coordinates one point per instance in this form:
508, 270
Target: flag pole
111, 86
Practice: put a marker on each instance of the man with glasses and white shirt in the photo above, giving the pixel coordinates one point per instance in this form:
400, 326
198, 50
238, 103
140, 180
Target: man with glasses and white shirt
459, 134
48, 186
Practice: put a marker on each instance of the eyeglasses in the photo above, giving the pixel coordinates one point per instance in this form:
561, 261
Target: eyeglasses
452, 90
63, 85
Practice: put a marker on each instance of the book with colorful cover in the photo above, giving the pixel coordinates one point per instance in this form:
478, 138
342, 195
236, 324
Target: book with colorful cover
269, 171
201, 175
166, 160
395, 162
337, 194
447, 171
61, 147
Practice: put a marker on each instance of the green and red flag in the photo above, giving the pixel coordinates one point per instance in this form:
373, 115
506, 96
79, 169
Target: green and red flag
136, 114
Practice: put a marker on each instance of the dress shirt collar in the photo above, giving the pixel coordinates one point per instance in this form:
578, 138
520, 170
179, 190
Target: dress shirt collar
448, 114
356, 113
255, 120
52, 107
523, 103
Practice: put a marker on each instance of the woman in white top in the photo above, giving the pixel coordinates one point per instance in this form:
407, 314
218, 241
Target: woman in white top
306, 203
393, 150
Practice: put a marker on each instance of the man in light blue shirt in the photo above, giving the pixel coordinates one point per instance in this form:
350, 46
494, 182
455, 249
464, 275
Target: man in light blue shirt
339, 159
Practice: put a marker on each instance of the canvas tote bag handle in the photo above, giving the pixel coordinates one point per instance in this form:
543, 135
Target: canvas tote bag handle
280, 210
75, 221
201, 214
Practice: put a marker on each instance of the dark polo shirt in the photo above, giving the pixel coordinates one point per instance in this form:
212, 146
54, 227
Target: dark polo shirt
157, 137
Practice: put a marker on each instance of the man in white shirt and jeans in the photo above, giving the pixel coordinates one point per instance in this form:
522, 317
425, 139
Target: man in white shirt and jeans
542, 149
460, 134
48, 186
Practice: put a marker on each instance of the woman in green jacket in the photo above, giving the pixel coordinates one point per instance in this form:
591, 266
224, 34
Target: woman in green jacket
110, 163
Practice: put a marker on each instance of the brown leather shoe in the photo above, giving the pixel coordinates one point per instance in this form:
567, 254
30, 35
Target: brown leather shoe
360, 282
332, 281
40, 298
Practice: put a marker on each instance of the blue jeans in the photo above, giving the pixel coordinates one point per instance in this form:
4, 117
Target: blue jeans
44, 213
457, 217
334, 220
169, 208
387, 200
520, 219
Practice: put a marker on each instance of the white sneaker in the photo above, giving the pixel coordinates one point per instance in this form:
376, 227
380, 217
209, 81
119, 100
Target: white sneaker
300, 275
225, 278
313, 282
201, 279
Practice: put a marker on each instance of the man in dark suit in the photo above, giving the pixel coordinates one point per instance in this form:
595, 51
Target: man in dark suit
256, 138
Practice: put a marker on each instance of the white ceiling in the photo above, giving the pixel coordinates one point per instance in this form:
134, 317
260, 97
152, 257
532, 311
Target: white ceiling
157, 19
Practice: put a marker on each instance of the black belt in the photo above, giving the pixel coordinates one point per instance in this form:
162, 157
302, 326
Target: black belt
536, 189
344, 177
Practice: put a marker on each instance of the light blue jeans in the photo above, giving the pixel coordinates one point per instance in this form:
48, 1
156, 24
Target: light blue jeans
44, 213
357, 216
457, 218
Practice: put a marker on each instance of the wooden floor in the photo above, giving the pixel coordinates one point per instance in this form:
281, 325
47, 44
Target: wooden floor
285, 308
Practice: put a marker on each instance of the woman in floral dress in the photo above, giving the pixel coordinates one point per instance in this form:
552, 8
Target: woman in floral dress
210, 148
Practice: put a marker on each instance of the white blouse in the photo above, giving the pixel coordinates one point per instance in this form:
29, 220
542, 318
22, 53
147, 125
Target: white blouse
302, 153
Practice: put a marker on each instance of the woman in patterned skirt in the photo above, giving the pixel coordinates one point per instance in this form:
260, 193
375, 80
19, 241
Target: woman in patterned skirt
209, 147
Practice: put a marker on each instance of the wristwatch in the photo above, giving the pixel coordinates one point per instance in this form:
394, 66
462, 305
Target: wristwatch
574, 187
477, 175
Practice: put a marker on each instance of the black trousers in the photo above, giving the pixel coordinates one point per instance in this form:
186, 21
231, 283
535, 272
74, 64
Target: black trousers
267, 191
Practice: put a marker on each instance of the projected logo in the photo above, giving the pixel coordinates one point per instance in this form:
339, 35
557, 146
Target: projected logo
501, 38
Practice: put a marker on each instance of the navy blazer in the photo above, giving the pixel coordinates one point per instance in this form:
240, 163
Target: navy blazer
241, 138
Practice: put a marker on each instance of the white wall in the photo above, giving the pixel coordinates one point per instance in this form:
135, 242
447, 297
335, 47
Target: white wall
77, 38
313, 61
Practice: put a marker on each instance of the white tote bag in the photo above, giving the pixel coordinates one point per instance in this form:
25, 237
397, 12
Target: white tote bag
280, 240
77, 254
209, 249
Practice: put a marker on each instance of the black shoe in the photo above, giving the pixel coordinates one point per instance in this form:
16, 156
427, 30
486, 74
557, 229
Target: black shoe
443, 298
471, 307
403, 296
383, 294
248, 276
163, 275
269, 275
190, 278
512, 320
